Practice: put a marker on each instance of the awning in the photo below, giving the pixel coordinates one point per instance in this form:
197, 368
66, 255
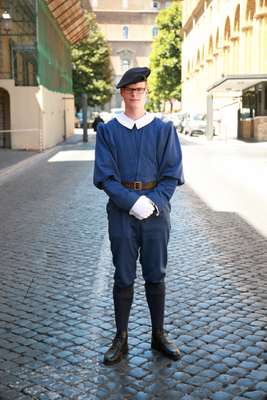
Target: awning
236, 83
71, 18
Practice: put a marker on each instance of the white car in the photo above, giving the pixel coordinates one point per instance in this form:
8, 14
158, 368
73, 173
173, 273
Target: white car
195, 124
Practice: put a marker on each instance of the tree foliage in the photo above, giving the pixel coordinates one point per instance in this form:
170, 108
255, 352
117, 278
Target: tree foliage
92, 71
165, 59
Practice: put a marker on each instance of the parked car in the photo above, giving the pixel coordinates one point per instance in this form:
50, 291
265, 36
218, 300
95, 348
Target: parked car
194, 124
177, 119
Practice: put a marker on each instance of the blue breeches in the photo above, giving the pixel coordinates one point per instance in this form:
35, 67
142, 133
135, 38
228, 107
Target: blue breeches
132, 239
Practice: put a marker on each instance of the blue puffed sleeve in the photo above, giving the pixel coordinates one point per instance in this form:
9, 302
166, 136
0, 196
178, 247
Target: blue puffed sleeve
170, 167
106, 172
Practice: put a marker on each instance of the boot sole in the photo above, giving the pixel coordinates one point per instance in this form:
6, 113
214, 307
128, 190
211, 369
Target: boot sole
118, 359
173, 356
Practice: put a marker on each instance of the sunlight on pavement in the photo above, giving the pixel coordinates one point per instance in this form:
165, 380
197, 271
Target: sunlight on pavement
73, 155
229, 181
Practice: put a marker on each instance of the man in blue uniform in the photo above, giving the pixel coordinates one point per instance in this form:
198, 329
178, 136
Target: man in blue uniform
138, 164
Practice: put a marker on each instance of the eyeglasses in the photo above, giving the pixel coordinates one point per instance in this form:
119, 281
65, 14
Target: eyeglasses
137, 90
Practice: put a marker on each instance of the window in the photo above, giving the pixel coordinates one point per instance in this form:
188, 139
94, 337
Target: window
155, 5
261, 99
248, 103
155, 31
125, 32
125, 65
124, 3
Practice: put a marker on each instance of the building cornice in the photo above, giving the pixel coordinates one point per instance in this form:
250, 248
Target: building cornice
100, 11
247, 27
261, 14
71, 18
129, 41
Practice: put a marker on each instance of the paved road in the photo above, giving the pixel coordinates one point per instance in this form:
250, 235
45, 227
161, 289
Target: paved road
230, 176
56, 316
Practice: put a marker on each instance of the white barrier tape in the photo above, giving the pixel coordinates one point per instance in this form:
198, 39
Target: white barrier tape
19, 130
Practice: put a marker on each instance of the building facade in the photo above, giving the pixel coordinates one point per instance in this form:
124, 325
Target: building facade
129, 27
224, 65
36, 100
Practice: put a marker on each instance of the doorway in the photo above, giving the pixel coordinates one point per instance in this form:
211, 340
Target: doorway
5, 137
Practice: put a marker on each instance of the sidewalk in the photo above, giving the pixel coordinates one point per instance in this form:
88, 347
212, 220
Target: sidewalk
14, 160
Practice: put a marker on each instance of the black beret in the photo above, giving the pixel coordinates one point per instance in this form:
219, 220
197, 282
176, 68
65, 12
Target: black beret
133, 75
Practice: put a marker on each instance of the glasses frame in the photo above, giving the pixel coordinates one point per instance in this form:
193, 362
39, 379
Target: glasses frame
140, 90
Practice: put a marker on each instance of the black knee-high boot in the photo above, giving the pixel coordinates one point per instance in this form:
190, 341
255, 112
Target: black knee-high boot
123, 298
155, 294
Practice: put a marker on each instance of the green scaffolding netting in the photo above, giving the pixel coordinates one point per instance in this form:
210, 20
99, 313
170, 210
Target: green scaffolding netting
54, 54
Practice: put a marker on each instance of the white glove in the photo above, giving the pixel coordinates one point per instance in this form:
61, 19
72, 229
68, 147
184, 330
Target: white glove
142, 208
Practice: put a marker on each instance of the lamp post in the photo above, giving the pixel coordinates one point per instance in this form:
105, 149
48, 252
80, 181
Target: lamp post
7, 21
84, 108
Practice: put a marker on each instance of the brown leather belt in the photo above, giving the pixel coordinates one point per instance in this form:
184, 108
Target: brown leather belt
139, 185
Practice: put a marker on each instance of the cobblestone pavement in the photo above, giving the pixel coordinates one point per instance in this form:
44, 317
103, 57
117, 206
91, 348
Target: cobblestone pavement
56, 315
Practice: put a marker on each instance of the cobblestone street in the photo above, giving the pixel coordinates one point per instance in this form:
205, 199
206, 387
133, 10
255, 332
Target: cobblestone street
56, 314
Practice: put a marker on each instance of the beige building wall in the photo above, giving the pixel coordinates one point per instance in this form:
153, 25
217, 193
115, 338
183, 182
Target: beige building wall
58, 118
129, 27
220, 38
40, 122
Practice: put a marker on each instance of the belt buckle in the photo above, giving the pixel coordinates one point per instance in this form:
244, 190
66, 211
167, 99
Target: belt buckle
137, 185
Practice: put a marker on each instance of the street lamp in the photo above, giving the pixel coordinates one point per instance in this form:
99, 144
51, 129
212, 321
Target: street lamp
7, 21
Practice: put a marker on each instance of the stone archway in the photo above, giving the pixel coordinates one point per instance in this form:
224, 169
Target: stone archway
5, 137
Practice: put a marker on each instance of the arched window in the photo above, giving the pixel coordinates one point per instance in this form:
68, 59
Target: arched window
188, 70
198, 60
250, 10
125, 32
217, 43
125, 65
227, 31
155, 5
155, 31
202, 56
237, 19
124, 3
210, 51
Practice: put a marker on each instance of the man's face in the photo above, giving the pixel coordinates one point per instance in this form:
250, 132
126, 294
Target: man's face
134, 95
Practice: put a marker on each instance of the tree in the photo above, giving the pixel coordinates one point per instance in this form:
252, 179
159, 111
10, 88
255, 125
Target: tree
92, 71
165, 59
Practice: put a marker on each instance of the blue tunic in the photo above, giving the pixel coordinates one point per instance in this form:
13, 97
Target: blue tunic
151, 153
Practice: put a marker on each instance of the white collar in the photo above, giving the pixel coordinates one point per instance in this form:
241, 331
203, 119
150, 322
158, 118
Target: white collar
139, 123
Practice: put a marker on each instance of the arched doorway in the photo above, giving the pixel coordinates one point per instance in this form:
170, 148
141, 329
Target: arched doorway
5, 137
